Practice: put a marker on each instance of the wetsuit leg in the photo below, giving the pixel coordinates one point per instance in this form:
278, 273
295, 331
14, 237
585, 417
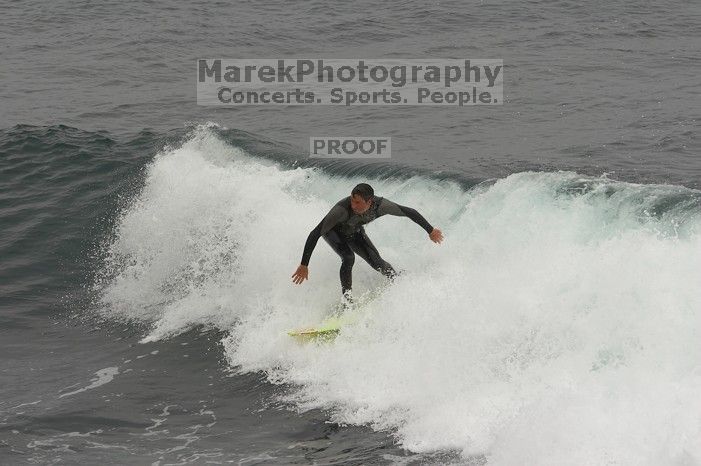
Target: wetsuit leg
340, 245
363, 247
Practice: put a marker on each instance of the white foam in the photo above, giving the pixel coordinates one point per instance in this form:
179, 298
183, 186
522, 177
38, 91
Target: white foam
102, 377
548, 328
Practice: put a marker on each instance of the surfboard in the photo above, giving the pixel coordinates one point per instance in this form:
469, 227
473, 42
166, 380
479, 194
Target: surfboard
326, 331
343, 315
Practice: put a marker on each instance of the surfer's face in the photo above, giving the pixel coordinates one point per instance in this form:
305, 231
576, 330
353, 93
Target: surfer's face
360, 205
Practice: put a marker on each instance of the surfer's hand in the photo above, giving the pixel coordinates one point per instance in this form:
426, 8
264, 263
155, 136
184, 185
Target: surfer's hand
301, 274
436, 235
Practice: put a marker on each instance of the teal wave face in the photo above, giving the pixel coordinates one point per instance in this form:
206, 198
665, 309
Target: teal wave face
60, 191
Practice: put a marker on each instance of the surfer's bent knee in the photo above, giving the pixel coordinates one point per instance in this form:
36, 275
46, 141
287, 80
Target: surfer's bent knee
348, 260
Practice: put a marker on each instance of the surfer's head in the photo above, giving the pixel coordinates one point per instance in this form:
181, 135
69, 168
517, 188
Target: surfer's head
361, 198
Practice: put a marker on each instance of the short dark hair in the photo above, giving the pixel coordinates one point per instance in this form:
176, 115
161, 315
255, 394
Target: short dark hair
364, 190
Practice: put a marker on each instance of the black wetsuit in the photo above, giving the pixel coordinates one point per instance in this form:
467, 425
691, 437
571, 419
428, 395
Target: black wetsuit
343, 230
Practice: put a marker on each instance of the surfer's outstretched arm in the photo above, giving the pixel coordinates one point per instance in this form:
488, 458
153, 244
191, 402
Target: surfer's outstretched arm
336, 215
310, 244
390, 208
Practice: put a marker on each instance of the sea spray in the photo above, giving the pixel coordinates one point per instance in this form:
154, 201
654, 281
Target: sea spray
557, 324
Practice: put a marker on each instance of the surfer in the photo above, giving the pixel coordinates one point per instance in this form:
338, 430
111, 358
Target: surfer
342, 229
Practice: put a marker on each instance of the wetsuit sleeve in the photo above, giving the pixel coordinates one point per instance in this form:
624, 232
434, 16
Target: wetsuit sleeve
336, 215
390, 208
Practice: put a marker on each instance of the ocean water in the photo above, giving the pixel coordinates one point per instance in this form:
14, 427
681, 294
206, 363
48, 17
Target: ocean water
148, 243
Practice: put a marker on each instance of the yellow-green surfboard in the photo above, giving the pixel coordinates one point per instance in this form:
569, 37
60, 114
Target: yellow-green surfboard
326, 331
330, 328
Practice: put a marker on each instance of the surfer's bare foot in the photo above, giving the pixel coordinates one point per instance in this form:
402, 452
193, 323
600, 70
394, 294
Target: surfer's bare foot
346, 300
